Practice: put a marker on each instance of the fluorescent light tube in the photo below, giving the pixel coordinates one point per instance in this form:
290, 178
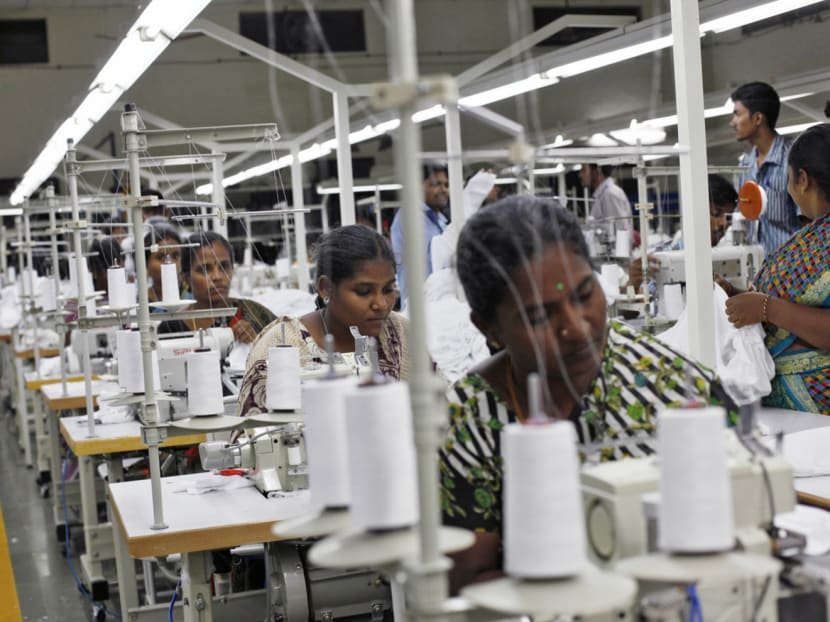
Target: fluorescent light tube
370, 188
795, 129
610, 58
161, 22
755, 14
489, 96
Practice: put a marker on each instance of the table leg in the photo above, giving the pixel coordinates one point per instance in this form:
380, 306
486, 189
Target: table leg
23, 413
196, 599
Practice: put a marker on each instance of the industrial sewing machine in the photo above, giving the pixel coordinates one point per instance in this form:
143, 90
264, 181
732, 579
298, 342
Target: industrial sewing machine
738, 264
619, 500
173, 350
621, 507
273, 455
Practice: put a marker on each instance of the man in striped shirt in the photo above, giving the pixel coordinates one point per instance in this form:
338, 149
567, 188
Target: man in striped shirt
755, 112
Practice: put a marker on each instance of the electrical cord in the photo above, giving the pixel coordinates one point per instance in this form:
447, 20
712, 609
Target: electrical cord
695, 609
173, 600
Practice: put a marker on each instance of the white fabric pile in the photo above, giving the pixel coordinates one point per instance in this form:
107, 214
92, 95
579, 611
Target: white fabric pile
454, 343
290, 302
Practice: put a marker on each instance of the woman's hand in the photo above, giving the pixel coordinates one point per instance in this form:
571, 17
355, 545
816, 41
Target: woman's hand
635, 271
726, 286
243, 331
745, 309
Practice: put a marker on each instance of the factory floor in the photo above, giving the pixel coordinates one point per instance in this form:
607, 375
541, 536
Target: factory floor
46, 589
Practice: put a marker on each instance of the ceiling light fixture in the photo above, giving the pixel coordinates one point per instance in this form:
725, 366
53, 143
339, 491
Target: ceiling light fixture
158, 24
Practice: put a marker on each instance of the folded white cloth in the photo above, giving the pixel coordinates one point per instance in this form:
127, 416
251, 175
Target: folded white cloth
811, 522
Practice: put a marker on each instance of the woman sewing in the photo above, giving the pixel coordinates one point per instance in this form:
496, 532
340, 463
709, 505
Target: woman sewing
207, 270
356, 286
793, 286
528, 278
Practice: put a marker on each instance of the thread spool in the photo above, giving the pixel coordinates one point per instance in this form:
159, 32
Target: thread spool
169, 283
326, 452
132, 293
381, 457
673, 300
117, 288
27, 280
282, 385
543, 520
48, 300
622, 243
204, 383
695, 514
130, 362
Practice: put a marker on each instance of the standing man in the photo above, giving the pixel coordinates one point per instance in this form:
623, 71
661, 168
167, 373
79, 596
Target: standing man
755, 112
610, 207
436, 198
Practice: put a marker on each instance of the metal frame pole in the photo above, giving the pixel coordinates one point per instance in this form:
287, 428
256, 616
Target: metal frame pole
427, 578
133, 146
344, 158
452, 126
72, 173
691, 130
299, 217
217, 172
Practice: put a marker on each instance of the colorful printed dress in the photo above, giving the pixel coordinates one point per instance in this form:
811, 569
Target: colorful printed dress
638, 376
799, 271
393, 358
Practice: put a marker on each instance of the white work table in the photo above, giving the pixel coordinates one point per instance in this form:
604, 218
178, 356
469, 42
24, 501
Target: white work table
109, 440
196, 524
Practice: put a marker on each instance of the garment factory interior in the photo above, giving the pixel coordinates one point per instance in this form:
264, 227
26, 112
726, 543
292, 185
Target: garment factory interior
389, 309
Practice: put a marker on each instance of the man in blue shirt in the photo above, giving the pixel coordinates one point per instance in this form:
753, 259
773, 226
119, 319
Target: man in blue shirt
755, 112
436, 198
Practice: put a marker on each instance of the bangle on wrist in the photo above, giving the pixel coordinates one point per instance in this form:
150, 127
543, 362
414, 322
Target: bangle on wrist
766, 303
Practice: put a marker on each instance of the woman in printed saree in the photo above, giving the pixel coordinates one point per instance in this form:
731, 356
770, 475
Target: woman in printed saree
532, 290
793, 286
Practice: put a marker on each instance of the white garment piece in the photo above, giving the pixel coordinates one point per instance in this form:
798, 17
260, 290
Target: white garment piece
806, 451
238, 356
453, 341
744, 364
813, 523
442, 247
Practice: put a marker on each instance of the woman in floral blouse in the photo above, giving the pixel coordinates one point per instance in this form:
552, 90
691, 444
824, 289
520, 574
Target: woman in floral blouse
528, 279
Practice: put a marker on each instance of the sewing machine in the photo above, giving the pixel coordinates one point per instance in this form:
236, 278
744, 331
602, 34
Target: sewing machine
617, 496
173, 350
274, 455
738, 264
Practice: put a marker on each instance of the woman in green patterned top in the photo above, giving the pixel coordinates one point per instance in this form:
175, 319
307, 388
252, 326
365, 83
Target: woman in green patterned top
532, 290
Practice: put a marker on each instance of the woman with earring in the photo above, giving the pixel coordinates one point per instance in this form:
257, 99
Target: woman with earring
356, 286
532, 290
793, 289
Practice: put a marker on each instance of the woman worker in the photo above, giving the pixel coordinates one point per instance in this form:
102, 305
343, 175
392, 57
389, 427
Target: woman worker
527, 274
356, 286
207, 270
793, 286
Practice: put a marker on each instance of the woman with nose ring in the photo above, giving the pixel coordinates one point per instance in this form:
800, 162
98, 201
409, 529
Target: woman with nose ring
207, 271
356, 286
532, 290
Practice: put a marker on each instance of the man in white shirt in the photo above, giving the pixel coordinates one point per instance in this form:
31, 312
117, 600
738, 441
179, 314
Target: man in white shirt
610, 207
